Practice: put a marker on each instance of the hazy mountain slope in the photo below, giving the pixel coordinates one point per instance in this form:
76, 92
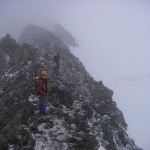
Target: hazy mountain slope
65, 36
81, 113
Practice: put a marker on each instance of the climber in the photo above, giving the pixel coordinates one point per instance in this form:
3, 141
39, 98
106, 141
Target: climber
56, 59
42, 92
35, 78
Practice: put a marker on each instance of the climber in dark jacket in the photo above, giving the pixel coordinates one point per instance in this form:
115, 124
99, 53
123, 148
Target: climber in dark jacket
56, 59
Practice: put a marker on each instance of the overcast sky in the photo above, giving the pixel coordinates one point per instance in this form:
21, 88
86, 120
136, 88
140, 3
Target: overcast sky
114, 38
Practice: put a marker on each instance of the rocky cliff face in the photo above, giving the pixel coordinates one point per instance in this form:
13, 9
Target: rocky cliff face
81, 114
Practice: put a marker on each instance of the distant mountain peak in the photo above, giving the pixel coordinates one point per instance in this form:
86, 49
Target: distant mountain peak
56, 32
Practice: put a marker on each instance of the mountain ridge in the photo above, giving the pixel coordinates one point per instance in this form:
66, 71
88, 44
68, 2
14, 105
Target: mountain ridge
81, 106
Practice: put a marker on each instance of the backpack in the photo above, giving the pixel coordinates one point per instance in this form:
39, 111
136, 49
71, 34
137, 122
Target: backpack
41, 84
42, 87
56, 58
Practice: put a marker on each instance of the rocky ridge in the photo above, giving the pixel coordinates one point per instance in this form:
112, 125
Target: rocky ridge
81, 114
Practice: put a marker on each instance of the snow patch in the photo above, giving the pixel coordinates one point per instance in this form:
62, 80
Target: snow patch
7, 57
101, 147
33, 98
11, 75
11, 147
47, 136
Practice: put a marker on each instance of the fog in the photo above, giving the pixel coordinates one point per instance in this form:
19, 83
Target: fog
114, 38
